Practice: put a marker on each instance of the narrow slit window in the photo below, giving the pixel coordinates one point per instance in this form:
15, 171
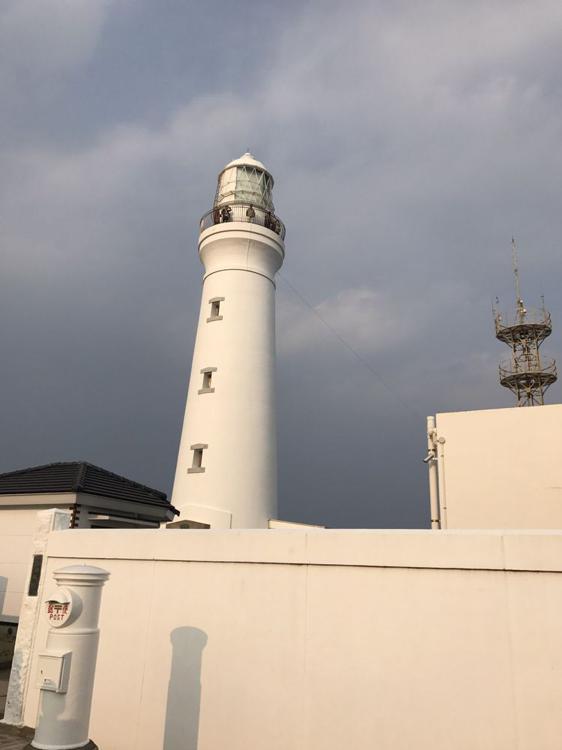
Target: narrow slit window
216, 312
197, 460
207, 384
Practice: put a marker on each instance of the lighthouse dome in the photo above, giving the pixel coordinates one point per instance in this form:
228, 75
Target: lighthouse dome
245, 180
248, 160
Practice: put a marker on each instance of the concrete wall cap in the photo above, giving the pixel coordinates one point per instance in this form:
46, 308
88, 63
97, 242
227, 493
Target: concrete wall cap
516, 550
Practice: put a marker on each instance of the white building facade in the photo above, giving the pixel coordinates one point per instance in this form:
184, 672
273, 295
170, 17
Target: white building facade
496, 468
226, 473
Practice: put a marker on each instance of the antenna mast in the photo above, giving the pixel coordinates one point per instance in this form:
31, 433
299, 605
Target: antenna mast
525, 374
519, 302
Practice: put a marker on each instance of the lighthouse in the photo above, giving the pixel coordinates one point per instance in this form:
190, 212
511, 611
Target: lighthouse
226, 473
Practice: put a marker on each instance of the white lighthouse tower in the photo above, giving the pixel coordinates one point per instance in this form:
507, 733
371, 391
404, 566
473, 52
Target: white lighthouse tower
226, 474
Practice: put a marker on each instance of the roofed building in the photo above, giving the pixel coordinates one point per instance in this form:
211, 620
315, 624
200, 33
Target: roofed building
97, 499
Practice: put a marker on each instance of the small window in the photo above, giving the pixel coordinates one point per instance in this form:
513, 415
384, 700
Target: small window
215, 303
35, 575
197, 462
207, 386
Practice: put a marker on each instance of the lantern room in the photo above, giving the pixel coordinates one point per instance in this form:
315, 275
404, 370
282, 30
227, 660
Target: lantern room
245, 180
244, 195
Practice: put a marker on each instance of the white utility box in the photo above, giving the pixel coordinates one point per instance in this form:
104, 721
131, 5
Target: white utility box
53, 668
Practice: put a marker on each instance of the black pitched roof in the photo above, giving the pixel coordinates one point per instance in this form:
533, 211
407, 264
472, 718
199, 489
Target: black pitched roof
79, 476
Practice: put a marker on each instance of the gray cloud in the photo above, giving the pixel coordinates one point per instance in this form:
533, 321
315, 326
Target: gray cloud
408, 144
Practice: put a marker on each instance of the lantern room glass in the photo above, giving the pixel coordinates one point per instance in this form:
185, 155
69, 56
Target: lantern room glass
245, 184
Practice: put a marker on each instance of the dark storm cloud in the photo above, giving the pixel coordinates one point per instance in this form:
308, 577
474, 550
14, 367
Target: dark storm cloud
408, 144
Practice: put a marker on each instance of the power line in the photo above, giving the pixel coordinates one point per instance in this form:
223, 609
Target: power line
350, 348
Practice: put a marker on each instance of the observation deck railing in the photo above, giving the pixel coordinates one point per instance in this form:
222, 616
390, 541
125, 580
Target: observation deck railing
531, 317
545, 369
243, 212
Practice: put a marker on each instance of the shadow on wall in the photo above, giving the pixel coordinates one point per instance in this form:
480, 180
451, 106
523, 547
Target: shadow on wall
184, 690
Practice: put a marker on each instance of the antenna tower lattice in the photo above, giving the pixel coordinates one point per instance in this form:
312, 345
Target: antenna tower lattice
526, 374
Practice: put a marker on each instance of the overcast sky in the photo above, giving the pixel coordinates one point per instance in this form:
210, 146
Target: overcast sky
408, 142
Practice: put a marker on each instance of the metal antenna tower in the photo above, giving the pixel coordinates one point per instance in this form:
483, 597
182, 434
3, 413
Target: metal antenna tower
526, 375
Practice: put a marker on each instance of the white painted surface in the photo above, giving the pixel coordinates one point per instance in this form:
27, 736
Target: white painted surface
18, 525
324, 639
236, 421
246, 159
503, 467
64, 712
431, 461
276, 523
44, 522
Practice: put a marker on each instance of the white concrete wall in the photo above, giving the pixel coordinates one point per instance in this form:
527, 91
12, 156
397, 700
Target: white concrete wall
503, 467
326, 640
16, 533
44, 522
17, 528
238, 487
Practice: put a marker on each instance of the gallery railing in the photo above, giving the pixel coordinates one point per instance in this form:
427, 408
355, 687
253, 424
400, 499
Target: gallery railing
243, 212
